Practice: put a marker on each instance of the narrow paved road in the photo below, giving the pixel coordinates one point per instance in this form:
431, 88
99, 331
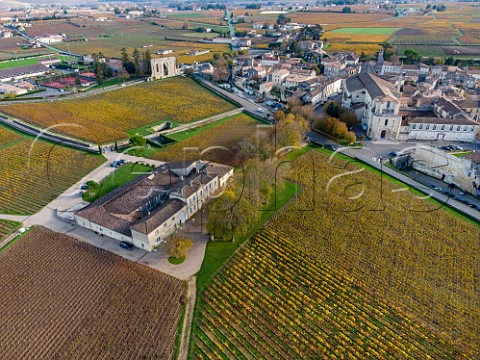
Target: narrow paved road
230, 25
366, 158
249, 106
374, 151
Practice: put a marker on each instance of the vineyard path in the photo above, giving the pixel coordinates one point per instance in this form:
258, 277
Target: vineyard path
187, 319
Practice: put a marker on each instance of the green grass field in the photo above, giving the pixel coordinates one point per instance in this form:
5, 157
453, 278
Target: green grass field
119, 177
18, 63
366, 31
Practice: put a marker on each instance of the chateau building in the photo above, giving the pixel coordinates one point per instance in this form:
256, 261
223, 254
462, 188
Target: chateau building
147, 209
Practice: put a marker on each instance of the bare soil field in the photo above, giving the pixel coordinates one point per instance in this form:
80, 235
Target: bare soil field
64, 299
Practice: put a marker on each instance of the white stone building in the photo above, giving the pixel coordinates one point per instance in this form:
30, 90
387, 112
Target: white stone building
375, 101
146, 210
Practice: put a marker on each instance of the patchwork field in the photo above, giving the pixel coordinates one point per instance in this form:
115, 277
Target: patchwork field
365, 28
367, 278
109, 37
227, 134
327, 18
76, 301
109, 116
10, 50
45, 167
210, 17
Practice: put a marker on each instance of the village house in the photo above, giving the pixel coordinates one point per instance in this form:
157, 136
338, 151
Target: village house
471, 107
270, 60
11, 89
278, 76
164, 51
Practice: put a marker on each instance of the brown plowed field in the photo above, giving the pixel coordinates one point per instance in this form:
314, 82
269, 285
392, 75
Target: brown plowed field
64, 299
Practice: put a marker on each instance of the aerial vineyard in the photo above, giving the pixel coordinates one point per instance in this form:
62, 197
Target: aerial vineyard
110, 37
8, 137
76, 301
108, 117
49, 169
274, 302
227, 134
7, 227
356, 266
410, 252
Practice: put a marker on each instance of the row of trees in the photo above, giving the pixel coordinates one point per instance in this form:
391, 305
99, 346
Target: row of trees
335, 128
440, 7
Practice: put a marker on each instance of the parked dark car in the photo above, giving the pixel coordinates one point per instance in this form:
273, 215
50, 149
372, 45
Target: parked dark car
84, 187
435, 187
126, 245
330, 147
